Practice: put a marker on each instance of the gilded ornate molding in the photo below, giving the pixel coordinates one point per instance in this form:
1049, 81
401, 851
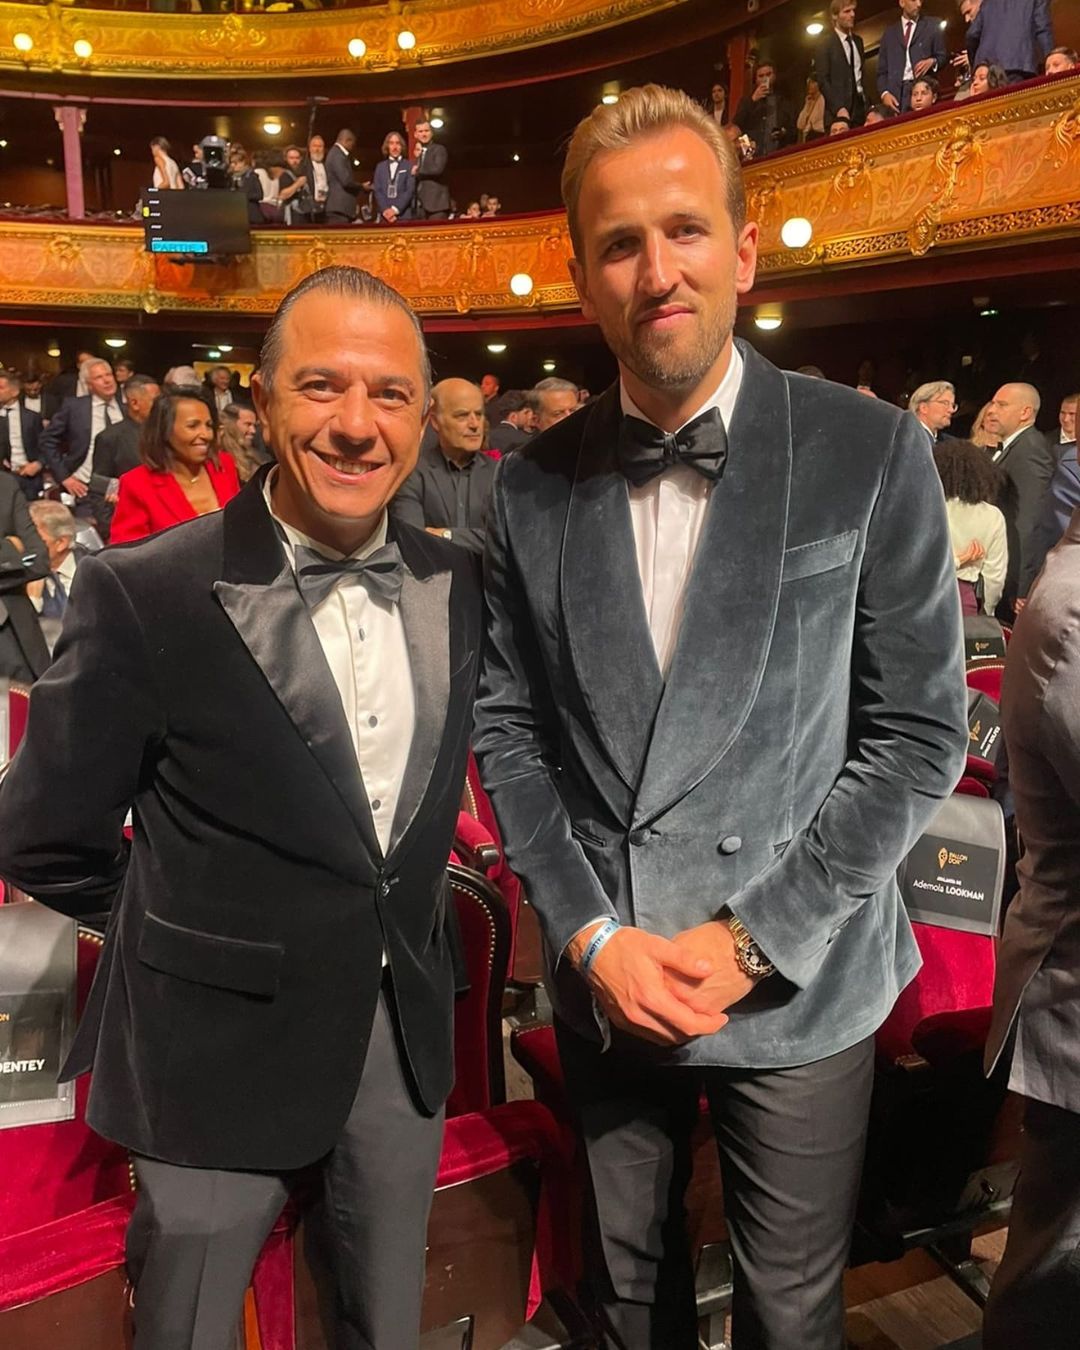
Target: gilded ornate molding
973, 177
268, 46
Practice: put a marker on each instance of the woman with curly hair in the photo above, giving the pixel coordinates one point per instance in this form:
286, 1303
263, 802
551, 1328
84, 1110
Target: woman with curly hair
972, 484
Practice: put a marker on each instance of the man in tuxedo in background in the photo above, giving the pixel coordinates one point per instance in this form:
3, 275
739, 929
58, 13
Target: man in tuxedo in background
343, 188
1016, 34
1067, 419
31, 396
1027, 463
276, 987
934, 406
838, 67
24, 558
716, 651
432, 197
910, 48
66, 384
20, 432
67, 443
117, 448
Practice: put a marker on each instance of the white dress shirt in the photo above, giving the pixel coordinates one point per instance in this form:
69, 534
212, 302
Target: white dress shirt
32, 403
17, 452
222, 397
851, 54
667, 514
320, 184
102, 415
363, 639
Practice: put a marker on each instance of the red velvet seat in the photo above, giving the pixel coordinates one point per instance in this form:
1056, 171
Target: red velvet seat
484, 926
478, 805
18, 713
986, 677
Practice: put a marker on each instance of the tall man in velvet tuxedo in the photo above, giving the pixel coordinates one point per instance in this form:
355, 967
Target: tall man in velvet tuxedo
282, 694
722, 694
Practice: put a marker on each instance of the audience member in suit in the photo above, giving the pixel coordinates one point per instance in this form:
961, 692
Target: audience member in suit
1067, 419
67, 443
342, 187
1060, 501
123, 370
1027, 462
309, 206
431, 201
65, 384
49, 596
910, 48
243, 178
183, 475
219, 383
1035, 1297
20, 432
449, 490
276, 987
839, 67
117, 448
32, 396
764, 114
716, 649
553, 400
24, 558
512, 420
393, 183
934, 406
1014, 34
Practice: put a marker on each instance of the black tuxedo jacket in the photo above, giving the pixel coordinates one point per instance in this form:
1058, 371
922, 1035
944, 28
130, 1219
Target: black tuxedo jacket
117, 449
15, 608
432, 193
343, 187
834, 74
30, 424
229, 1020
65, 442
1028, 466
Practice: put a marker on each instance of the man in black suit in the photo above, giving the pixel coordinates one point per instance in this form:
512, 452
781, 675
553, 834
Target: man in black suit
116, 450
24, 557
910, 48
67, 443
432, 198
342, 187
1027, 463
512, 418
449, 490
282, 693
66, 384
20, 432
839, 67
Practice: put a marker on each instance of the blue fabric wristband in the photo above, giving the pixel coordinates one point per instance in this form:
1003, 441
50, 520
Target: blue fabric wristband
602, 935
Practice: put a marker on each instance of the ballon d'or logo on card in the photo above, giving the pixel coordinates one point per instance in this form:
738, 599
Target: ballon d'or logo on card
942, 857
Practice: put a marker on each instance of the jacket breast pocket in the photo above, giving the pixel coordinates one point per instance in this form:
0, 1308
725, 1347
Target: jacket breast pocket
210, 958
821, 555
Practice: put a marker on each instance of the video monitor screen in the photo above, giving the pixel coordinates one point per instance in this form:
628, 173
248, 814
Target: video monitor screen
200, 224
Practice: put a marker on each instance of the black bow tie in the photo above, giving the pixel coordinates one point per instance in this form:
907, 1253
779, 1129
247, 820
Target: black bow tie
381, 573
643, 451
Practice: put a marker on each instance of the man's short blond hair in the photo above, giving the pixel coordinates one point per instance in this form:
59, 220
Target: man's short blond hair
644, 111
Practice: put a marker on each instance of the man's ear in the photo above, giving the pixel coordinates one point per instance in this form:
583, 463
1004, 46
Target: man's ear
261, 398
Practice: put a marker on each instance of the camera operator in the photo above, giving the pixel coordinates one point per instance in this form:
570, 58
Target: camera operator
765, 116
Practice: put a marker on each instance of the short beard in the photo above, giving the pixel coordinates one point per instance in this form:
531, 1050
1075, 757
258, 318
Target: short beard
658, 367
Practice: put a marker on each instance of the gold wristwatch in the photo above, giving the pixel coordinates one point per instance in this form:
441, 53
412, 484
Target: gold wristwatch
751, 959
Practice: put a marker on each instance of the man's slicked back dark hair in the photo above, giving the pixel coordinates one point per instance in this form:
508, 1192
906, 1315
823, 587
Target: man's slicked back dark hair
350, 283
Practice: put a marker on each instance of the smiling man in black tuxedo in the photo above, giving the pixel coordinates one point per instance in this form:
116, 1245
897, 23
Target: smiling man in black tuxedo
722, 694
282, 694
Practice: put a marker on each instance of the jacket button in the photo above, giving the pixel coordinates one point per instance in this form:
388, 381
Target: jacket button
639, 837
730, 844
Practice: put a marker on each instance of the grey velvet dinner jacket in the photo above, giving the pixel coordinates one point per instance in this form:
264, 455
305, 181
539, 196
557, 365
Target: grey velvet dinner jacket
1038, 963
812, 718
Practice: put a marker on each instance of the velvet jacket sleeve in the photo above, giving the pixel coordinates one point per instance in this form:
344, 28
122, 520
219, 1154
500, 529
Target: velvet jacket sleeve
94, 716
908, 724
515, 741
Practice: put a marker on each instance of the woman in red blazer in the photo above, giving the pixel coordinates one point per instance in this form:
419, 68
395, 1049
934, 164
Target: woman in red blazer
183, 475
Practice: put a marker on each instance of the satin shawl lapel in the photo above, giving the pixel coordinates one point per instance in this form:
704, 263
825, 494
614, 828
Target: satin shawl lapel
604, 617
731, 597
425, 614
260, 596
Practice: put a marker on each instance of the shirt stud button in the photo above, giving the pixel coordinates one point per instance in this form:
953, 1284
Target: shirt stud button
373, 721
376, 804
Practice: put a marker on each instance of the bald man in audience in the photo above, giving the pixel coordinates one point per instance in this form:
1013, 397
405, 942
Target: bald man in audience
1027, 462
449, 490
555, 399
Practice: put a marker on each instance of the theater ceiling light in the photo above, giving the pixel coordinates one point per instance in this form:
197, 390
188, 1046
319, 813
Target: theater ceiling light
516, 157
23, 42
117, 150
83, 50
357, 48
768, 319
549, 366
815, 29
406, 39
116, 342
521, 284
224, 347
437, 119
610, 92
3, 145
496, 348
796, 232
214, 355
272, 126
53, 349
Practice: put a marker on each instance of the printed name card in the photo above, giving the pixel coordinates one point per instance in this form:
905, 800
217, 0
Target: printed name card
954, 875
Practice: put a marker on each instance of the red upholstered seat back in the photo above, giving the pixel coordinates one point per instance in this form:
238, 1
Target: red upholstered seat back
18, 712
986, 677
478, 804
52, 1171
478, 1050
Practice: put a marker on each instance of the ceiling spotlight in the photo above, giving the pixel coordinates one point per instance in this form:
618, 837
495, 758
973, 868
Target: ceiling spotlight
436, 124
549, 366
357, 48
521, 284
516, 158
23, 42
116, 342
83, 50
214, 355
224, 347
53, 349
272, 126
815, 29
496, 348
406, 40
3, 145
796, 232
988, 313
609, 94
768, 320
117, 150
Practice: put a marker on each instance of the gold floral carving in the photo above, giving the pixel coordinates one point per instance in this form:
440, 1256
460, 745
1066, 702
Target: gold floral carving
1066, 135
301, 45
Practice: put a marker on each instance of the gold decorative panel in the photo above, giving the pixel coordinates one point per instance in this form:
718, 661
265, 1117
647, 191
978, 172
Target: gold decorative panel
1000, 172
237, 46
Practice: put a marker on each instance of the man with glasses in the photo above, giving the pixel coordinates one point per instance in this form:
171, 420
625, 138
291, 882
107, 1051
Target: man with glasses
934, 406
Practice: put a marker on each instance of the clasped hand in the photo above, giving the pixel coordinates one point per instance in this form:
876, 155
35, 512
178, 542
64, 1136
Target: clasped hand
666, 990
